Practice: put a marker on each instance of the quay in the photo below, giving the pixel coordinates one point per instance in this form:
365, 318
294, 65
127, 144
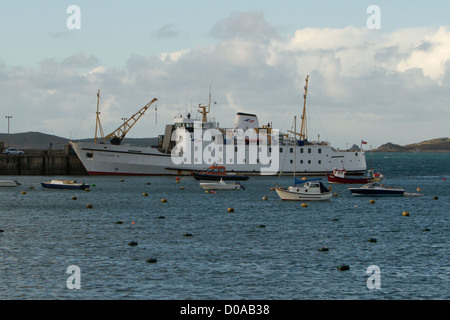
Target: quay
42, 162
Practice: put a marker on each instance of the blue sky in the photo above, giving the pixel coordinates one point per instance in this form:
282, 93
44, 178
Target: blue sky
256, 54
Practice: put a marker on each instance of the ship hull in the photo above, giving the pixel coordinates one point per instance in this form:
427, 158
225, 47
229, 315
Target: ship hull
105, 159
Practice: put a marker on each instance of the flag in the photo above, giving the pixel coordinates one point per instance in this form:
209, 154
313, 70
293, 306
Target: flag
363, 142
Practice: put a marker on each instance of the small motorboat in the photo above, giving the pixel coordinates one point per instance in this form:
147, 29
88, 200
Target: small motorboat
64, 184
217, 173
221, 185
376, 189
9, 183
342, 176
311, 190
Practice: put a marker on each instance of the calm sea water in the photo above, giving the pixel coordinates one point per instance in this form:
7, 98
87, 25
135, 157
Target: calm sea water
265, 250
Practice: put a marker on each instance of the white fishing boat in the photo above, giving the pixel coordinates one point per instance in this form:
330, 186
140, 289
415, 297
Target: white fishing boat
310, 191
9, 183
187, 146
221, 185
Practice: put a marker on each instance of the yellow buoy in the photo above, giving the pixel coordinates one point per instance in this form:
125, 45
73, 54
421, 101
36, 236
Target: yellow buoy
87, 189
74, 198
418, 189
181, 188
163, 200
272, 189
405, 213
89, 206
372, 201
145, 194
265, 198
230, 209
304, 205
23, 192
335, 194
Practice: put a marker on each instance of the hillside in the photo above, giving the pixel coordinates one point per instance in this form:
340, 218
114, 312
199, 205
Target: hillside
433, 145
41, 141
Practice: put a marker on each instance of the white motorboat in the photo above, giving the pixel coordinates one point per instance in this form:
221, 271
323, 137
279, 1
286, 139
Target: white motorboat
64, 184
376, 189
9, 183
221, 185
311, 190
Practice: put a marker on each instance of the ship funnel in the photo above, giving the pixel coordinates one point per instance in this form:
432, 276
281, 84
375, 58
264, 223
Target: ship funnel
246, 121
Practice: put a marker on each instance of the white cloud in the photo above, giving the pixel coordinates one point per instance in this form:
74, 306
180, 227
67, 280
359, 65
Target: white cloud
364, 83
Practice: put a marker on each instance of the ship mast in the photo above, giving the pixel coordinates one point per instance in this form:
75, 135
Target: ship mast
97, 122
304, 127
203, 111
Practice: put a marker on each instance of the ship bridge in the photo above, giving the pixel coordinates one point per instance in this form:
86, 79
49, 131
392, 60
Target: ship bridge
189, 123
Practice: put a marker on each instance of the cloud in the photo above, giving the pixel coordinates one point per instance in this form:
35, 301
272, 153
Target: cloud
167, 31
245, 25
364, 84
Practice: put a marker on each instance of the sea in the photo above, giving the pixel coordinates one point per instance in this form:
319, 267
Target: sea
132, 245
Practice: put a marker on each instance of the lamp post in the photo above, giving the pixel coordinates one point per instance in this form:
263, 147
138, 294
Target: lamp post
8, 117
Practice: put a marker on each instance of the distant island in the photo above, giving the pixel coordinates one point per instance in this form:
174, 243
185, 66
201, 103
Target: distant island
42, 141
433, 145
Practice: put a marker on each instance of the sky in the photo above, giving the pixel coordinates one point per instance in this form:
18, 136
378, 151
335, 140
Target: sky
378, 76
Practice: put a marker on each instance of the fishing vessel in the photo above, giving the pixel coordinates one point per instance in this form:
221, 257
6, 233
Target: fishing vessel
190, 144
341, 176
311, 190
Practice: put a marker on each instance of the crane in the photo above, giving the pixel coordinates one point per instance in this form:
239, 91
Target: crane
117, 136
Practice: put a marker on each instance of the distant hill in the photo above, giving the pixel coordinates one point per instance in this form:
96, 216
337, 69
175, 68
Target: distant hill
42, 141
433, 145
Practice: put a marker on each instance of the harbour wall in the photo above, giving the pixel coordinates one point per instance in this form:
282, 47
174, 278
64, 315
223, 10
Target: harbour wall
42, 163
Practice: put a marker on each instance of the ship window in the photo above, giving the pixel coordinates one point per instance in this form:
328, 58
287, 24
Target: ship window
309, 161
320, 150
291, 150
319, 162
301, 150
291, 161
281, 150
89, 154
309, 150
301, 161
270, 149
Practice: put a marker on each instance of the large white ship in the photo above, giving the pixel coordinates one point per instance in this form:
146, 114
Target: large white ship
193, 144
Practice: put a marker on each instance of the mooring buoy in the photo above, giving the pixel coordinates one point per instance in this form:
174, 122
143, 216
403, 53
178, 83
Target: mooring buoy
343, 267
